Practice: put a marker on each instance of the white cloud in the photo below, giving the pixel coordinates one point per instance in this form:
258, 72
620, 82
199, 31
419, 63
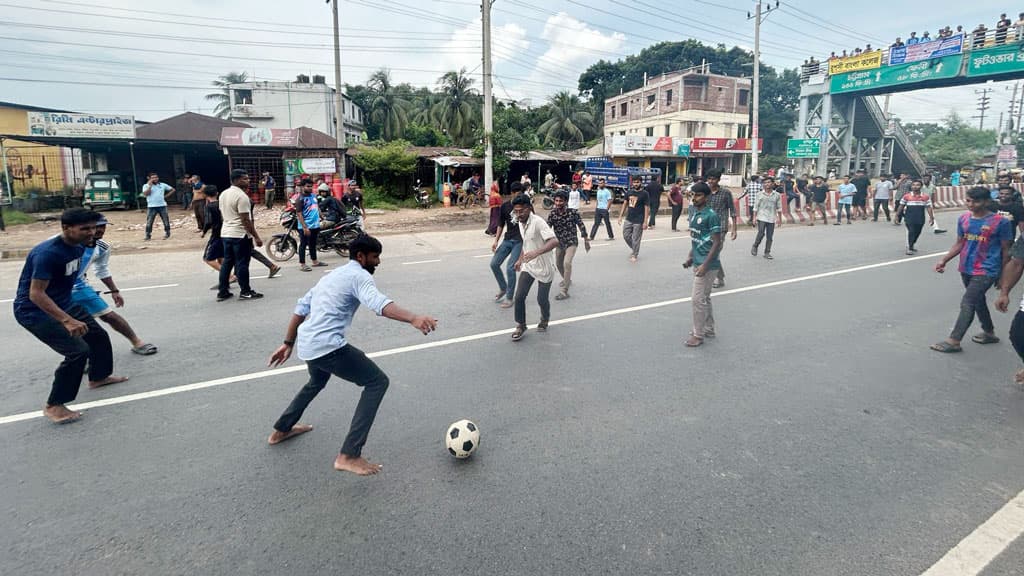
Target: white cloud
574, 44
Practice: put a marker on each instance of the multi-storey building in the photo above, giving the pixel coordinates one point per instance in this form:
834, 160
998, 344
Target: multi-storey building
288, 105
681, 122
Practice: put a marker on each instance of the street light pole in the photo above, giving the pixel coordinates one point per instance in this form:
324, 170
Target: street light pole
754, 152
488, 114
339, 120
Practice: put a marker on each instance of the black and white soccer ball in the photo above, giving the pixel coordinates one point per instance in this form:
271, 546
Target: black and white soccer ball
462, 439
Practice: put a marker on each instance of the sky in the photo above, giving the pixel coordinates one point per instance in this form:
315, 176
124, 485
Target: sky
153, 59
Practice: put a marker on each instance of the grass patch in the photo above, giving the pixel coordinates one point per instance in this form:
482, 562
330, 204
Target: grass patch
375, 197
13, 218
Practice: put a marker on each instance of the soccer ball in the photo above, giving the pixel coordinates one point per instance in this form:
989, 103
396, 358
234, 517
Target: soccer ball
462, 439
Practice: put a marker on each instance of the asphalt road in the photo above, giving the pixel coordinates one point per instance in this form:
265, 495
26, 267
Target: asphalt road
816, 435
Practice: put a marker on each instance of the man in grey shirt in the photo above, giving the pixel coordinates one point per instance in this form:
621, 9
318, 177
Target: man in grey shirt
883, 194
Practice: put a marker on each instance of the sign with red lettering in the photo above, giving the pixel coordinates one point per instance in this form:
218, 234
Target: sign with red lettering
735, 145
258, 137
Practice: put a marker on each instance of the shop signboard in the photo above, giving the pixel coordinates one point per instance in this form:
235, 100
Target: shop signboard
998, 60
897, 75
69, 125
734, 145
297, 166
865, 61
927, 50
803, 148
259, 137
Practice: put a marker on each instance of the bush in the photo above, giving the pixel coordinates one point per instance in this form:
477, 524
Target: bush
377, 197
386, 164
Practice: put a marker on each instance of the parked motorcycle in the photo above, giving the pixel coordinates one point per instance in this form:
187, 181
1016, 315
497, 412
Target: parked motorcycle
337, 237
424, 198
549, 195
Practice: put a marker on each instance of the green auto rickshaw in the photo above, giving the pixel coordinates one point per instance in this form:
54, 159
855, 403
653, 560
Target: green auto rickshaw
108, 190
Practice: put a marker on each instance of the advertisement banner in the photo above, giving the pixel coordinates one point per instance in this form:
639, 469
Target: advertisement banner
736, 145
897, 75
927, 50
1007, 154
297, 166
998, 60
619, 145
865, 61
803, 148
68, 125
259, 137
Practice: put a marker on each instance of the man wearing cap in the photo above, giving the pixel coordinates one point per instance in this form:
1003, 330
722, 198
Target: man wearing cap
97, 256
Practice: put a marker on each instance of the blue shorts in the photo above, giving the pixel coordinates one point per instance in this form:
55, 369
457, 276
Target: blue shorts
91, 301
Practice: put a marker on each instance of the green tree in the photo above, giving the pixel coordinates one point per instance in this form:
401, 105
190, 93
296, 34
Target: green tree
570, 122
388, 110
918, 132
513, 136
223, 98
387, 164
458, 110
957, 144
421, 135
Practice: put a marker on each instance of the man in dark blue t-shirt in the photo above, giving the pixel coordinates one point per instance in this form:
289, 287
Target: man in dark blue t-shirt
43, 307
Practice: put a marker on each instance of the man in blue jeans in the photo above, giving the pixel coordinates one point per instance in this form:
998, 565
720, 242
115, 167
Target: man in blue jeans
318, 327
507, 251
156, 193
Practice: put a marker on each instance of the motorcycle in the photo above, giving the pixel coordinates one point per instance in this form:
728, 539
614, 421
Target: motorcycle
549, 195
336, 237
423, 196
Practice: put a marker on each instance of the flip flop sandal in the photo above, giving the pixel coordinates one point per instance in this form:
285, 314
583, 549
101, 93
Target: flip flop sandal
984, 338
306, 269
518, 334
319, 265
145, 350
945, 347
73, 418
274, 271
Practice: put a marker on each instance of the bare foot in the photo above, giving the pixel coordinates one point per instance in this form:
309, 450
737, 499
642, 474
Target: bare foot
59, 414
355, 465
1020, 377
632, 259
277, 437
108, 381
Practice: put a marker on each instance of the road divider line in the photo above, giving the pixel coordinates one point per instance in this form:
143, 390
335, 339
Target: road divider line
456, 340
979, 548
420, 262
483, 256
122, 290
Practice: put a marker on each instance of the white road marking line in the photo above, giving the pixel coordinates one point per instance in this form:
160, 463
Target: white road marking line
680, 237
449, 341
420, 262
979, 548
122, 290
483, 256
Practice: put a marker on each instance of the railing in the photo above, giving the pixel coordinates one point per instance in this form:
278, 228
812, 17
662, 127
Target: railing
972, 41
898, 133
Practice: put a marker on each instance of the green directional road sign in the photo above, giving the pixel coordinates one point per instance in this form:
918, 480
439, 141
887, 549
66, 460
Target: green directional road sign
803, 148
998, 60
683, 150
898, 75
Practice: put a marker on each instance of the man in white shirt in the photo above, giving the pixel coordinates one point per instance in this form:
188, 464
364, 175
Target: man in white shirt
318, 326
156, 193
883, 194
536, 263
238, 235
574, 197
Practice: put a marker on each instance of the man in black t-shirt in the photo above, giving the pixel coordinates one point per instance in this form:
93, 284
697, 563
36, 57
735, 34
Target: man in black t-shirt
636, 210
507, 250
860, 198
819, 195
1010, 208
654, 192
353, 202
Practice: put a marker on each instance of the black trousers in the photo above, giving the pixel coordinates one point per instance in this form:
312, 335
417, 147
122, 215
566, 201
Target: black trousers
1017, 334
766, 232
677, 211
93, 347
523, 286
348, 363
913, 232
973, 304
237, 254
655, 205
599, 215
310, 242
882, 204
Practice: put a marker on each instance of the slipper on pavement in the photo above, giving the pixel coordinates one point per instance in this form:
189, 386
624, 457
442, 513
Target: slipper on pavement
945, 347
985, 338
145, 350
319, 265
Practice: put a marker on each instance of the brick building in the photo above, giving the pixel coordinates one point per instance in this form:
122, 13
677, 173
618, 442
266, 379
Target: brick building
682, 122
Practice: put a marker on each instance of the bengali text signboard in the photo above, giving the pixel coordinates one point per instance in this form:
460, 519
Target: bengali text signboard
898, 75
259, 137
803, 148
865, 61
927, 50
68, 125
998, 60
296, 166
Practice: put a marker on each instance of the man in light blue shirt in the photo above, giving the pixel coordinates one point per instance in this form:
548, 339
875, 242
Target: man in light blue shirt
156, 193
604, 199
318, 326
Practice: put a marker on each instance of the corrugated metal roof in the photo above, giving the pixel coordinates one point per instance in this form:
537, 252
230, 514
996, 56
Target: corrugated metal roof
186, 127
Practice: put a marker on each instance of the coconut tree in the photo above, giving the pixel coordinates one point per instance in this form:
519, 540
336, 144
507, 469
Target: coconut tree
223, 98
570, 121
387, 109
459, 106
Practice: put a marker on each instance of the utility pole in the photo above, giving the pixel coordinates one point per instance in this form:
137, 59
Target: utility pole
1011, 122
485, 8
339, 120
756, 95
983, 105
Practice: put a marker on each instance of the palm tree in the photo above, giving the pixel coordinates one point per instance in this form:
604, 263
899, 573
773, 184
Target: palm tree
387, 109
569, 123
458, 109
223, 98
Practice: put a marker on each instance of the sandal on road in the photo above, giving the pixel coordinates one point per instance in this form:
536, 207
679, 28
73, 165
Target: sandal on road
984, 338
145, 350
946, 347
305, 268
517, 335
319, 265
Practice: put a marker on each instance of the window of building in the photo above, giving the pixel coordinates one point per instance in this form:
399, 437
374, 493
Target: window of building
650, 99
612, 107
650, 131
622, 133
622, 109
668, 129
741, 131
243, 96
668, 97
689, 129
743, 99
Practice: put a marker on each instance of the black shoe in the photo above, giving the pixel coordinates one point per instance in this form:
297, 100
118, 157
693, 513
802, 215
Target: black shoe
250, 295
223, 297
753, 251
